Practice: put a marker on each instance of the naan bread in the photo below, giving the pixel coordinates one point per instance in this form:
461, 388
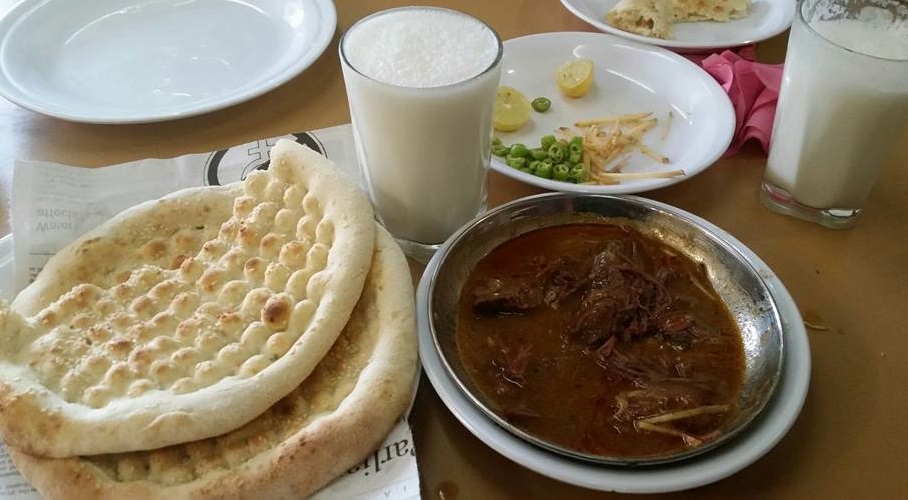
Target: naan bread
709, 10
186, 317
656, 18
652, 18
332, 421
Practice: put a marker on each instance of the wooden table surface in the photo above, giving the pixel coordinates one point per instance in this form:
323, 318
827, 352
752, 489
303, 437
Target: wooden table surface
850, 439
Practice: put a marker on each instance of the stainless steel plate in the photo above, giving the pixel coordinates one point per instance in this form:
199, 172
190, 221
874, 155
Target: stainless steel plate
731, 274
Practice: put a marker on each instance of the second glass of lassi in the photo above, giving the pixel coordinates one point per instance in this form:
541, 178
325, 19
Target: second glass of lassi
843, 105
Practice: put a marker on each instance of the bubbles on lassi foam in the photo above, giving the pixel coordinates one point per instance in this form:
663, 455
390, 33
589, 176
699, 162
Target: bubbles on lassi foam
887, 39
421, 48
879, 29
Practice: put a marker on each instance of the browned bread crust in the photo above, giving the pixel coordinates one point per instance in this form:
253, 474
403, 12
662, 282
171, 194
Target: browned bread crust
186, 317
329, 423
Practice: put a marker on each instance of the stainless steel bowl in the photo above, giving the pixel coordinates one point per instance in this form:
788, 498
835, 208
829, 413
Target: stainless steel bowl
732, 275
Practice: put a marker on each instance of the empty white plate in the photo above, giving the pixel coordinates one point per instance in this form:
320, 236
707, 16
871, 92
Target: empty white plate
767, 18
132, 61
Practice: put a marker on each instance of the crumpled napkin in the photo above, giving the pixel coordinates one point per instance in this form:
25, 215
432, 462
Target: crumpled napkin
753, 89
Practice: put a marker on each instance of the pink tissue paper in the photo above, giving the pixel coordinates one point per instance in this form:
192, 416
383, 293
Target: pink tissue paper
753, 89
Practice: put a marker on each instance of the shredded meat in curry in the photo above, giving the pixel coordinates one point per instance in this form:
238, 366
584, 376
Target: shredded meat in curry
599, 339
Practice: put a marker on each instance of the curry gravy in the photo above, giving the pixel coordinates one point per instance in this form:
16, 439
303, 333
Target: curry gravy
648, 369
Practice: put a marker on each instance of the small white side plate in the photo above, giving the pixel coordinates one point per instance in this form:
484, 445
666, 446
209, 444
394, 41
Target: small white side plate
630, 77
767, 19
133, 61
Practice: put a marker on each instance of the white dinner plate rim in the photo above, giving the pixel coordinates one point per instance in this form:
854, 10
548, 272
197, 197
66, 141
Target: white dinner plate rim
724, 116
318, 44
775, 422
786, 17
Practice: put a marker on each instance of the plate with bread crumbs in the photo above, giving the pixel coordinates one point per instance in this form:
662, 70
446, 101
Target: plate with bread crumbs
596, 113
687, 25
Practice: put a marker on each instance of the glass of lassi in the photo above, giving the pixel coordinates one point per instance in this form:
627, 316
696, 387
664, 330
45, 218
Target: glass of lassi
421, 85
843, 105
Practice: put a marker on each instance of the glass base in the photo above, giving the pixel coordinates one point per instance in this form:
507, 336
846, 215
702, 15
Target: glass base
780, 201
420, 252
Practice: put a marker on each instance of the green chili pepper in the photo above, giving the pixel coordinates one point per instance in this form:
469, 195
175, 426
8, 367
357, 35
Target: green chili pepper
577, 174
556, 152
541, 104
559, 160
560, 172
519, 150
545, 170
538, 154
517, 162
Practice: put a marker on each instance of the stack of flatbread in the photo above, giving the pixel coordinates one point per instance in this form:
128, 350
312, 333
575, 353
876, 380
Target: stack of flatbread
656, 18
251, 340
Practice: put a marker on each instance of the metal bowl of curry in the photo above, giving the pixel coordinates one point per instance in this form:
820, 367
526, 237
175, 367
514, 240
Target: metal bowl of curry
609, 329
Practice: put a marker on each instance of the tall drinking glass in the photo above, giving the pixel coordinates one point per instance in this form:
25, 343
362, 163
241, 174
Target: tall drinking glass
842, 106
421, 85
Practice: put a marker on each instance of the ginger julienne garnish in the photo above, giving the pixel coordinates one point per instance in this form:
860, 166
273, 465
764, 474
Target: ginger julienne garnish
656, 424
608, 142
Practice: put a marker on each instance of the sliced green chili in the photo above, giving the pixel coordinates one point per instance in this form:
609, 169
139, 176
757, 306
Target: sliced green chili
541, 104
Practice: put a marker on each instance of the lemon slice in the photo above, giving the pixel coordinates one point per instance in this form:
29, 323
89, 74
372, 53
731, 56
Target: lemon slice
512, 110
575, 77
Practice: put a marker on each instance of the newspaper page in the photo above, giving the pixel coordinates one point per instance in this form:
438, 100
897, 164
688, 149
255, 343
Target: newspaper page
53, 204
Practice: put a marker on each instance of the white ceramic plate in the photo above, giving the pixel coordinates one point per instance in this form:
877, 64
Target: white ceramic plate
133, 61
630, 77
775, 421
767, 19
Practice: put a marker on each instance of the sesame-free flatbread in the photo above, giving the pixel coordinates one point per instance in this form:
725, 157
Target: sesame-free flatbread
710, 10
185, 317
651, 18
656, 18
329, 423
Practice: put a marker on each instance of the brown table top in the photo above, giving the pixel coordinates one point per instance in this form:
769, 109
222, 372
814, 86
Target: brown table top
850, 438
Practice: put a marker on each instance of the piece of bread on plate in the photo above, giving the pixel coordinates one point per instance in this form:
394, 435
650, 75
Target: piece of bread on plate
709, 10
656, 18
652, 18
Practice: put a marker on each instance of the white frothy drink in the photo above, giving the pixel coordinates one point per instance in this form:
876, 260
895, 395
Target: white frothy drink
843, 104
421, 85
